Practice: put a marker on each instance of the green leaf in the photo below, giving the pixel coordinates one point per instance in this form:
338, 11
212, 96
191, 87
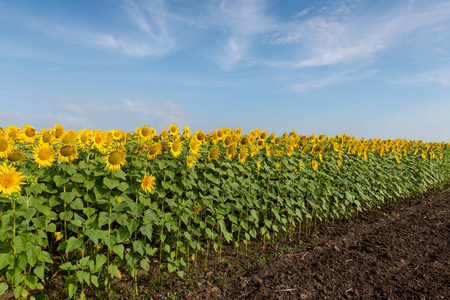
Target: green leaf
132, 258
89, 184
88, 211
120, 174
171, 268
145, 264
31, 281
139, 246
33, 255
73, 243
136, 208
59, 181
5, 260
110, 183
94, 280
122, 234
19, 290
3, 288
123, 186
119, 249
147, 230
67, 196
39, 271
100, 260
66, 266
77, 204
66, 216
72, 289
78, 177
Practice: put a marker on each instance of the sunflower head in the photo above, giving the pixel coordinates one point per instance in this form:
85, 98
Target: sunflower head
191, 161
148, 183
28, 133
58, 131
6, 146
115, 160
213, 154
243, 154
67, 153
16, 155
10, 179
176, 147
173, 128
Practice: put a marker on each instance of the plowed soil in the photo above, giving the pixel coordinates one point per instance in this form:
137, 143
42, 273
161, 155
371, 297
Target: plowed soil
401, 251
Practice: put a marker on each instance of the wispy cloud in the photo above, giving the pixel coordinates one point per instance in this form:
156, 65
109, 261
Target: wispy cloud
138, 112
345, 33
340, 77
241, 22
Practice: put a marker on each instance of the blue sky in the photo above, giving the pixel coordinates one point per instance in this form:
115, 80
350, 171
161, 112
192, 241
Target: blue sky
368, 68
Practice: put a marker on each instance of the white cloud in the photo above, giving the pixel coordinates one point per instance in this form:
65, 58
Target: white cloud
241, 22
343, 34
41, 120
340, 77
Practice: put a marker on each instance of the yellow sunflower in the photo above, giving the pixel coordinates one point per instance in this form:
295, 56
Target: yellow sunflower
16, 155
243, 155
173, 129
258, 165
231, 151
69, 137
315, 165
115, 160
176, 147
6, 146
12, 132
191, 161
67, 153
253, 150
194, 147
28, 134
186, 132
58, 130
101, 141
213, 154
45, 136
145, 133
148, 183
154, 151
10, 179
44, 155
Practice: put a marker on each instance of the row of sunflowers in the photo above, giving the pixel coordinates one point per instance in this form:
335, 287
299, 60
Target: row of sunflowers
99, 203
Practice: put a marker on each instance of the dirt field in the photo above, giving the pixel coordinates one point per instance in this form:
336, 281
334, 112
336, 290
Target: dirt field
398, 252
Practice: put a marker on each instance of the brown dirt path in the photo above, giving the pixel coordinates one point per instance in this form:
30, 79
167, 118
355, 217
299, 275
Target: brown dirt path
398, 252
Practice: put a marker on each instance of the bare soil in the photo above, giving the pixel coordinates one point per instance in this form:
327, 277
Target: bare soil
401, 251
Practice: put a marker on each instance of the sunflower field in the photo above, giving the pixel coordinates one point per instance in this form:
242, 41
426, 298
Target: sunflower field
92, 204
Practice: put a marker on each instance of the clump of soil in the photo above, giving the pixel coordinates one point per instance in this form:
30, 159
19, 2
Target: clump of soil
398, 252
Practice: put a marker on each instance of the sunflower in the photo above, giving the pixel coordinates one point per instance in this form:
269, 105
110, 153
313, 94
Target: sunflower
101, 141
12, 132
260, 143
289, 150
213, 154
300, 165
268, 149
243, 155
228, 140
258, 165
200, 135
173, 129
231, 151
115, 160
69, 137
191, 161
6, 146
186, 132
16, 155
339, 163
45, 136
148, 183
67, 153
176, 147
28, 134
253, 150
154, 151
315, 165
145, 133
44, 155
10, 179
58, 130
244, 140
194, 147
164, 133
85, 136
58, 235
